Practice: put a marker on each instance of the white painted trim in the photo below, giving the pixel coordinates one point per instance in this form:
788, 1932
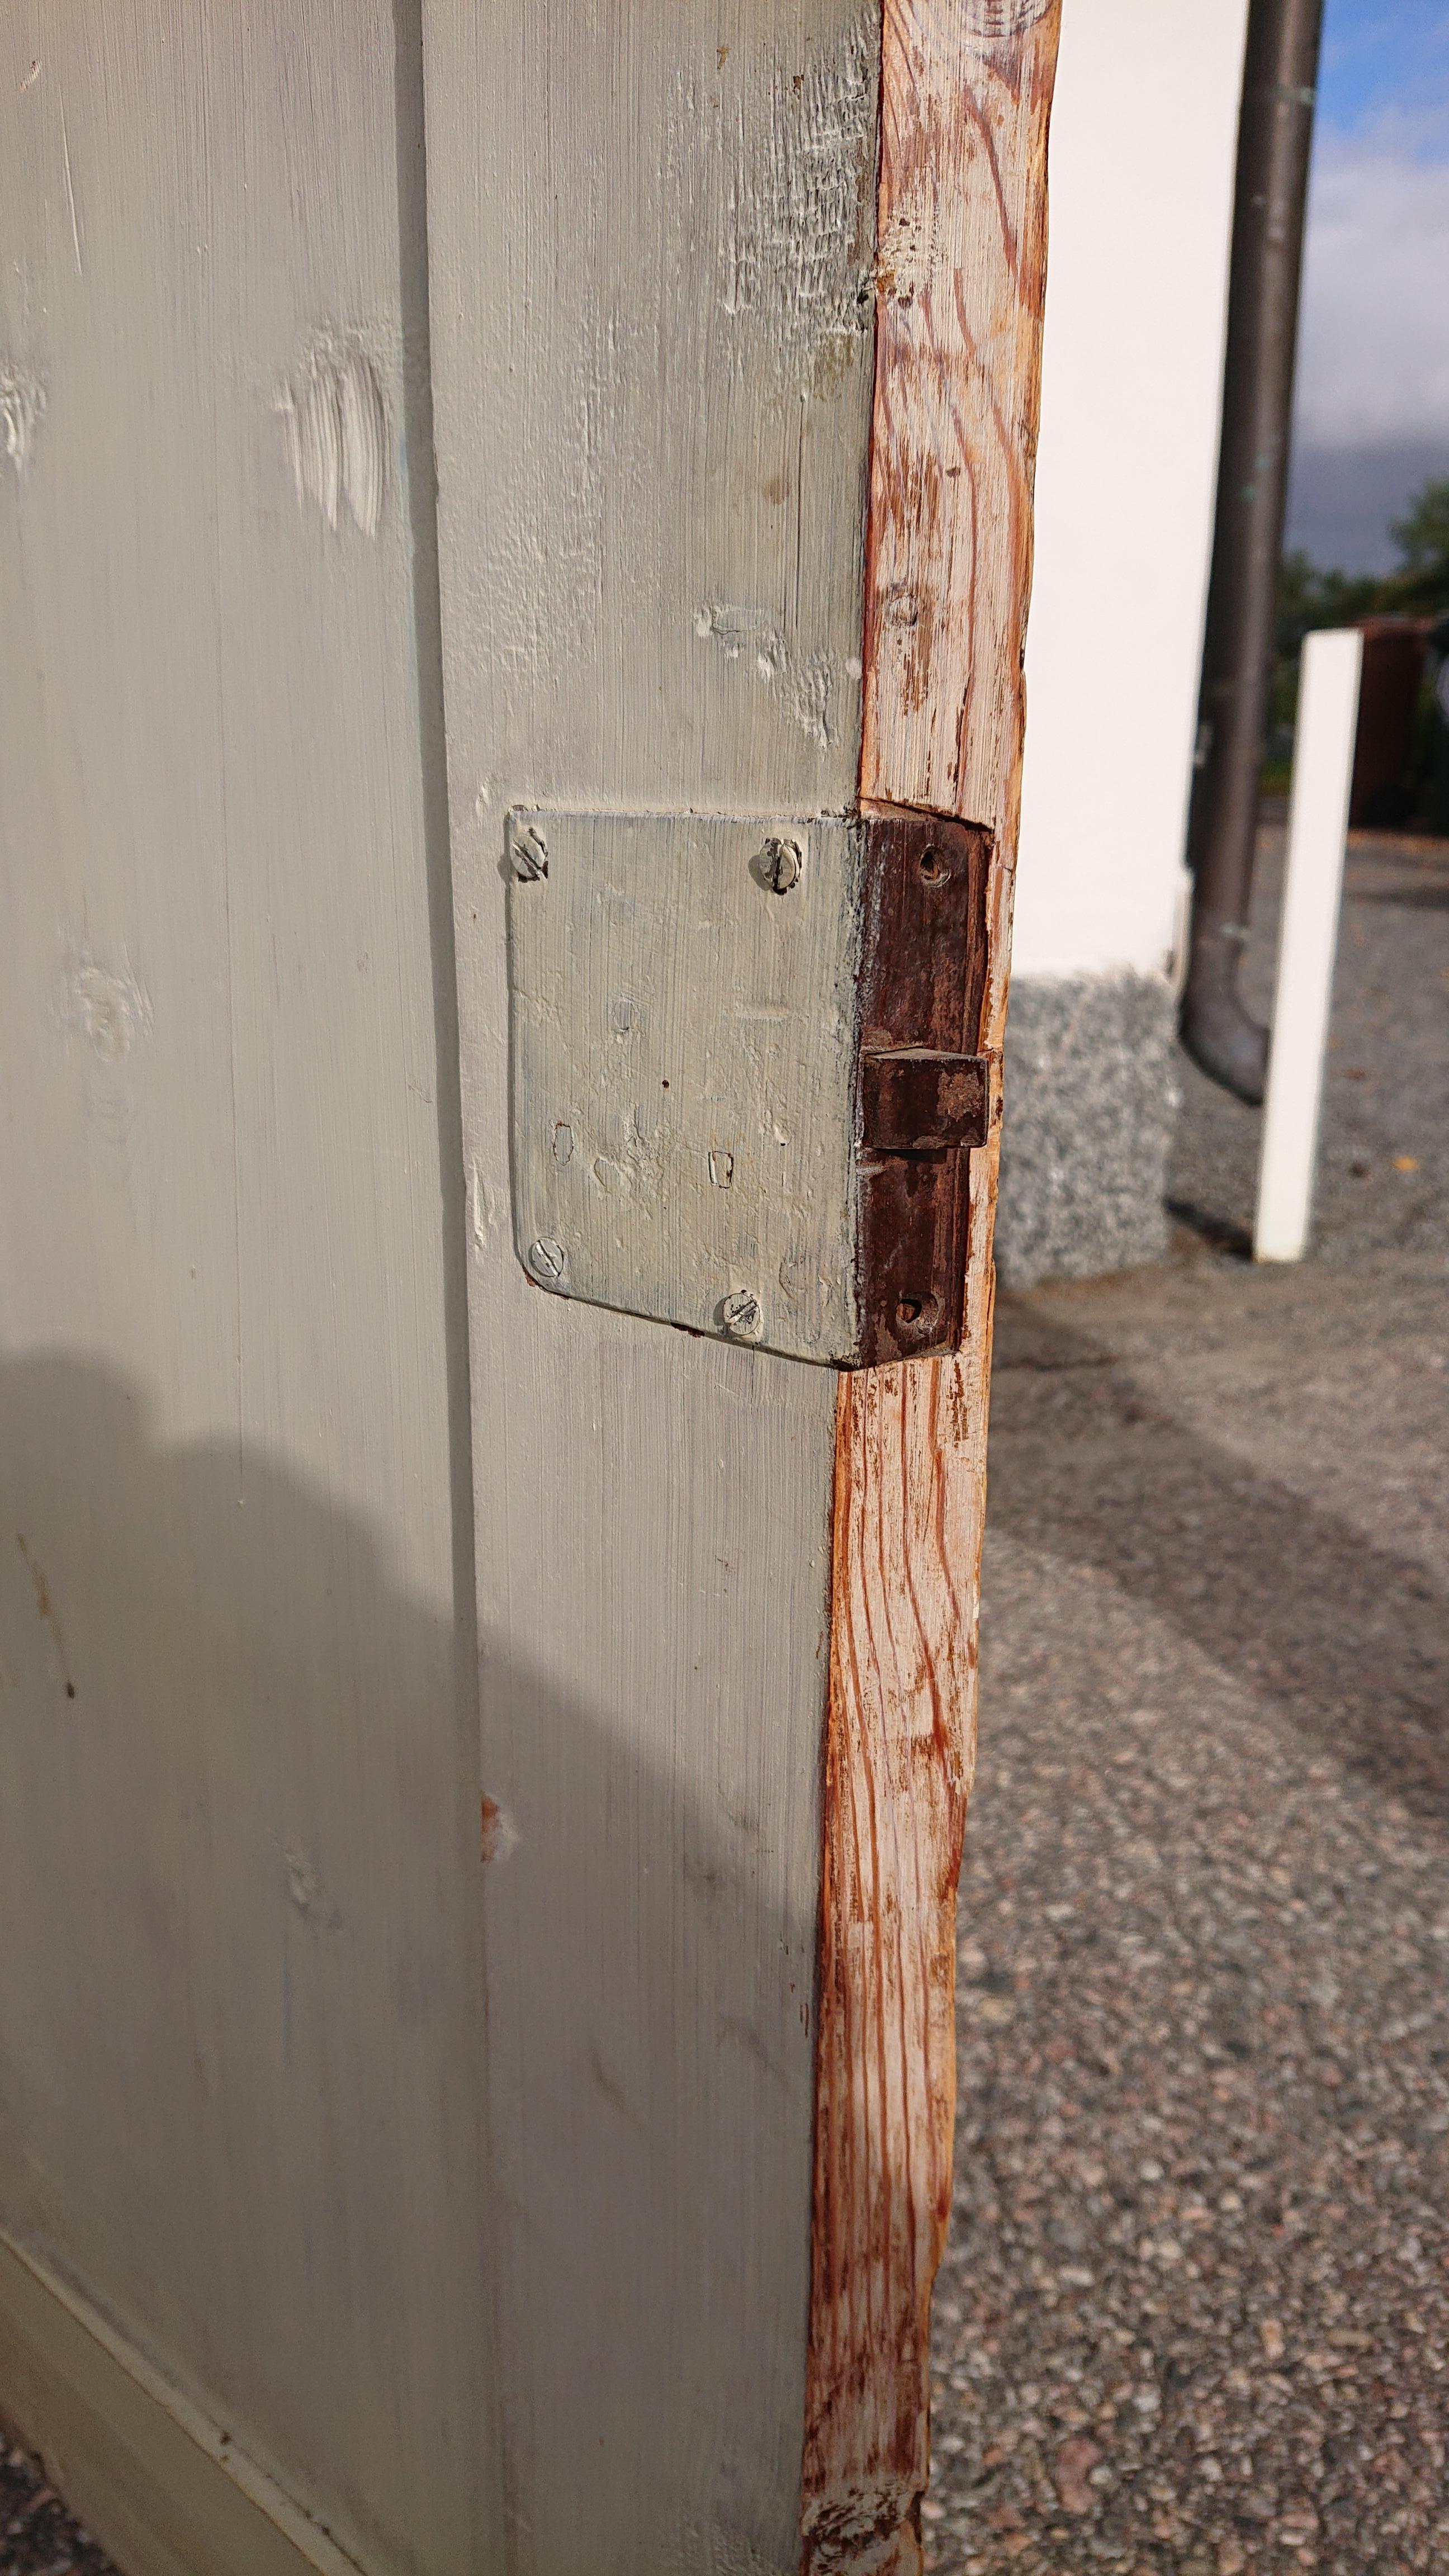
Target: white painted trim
1317, 831
156, 2483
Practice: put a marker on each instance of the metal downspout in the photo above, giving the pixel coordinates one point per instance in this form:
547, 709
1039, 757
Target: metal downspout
1275, 132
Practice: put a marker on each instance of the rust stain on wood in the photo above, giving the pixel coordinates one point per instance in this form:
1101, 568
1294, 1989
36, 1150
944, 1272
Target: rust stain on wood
45, 1610
965, 100
500, 1834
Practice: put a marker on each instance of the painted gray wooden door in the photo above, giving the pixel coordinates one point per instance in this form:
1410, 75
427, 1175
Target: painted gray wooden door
650, 247
241, 2019
468, 2190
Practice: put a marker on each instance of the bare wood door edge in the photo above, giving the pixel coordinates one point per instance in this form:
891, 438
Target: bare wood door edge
966, 90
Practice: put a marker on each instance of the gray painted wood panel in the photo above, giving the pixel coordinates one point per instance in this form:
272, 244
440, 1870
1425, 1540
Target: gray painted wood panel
164, 2491
650, 243
682, 1071
240, 2005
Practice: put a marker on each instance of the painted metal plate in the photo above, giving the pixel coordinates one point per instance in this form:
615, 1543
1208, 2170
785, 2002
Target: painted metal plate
683, 1031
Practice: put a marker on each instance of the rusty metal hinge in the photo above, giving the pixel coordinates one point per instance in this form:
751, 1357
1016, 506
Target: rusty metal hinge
745, 1078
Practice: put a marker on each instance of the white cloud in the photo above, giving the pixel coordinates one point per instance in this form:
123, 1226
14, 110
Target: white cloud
1373, 352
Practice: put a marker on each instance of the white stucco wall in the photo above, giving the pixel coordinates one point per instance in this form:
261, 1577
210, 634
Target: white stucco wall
1143, 140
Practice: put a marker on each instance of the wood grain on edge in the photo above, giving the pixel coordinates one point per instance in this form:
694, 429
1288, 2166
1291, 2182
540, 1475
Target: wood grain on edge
961, 270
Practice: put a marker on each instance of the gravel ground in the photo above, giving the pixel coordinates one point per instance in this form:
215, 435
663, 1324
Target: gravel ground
37, 2535
1195, 2311
1196, 2305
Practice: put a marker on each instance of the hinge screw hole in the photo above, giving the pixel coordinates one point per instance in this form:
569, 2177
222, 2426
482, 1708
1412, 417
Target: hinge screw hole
918, 1314
933, 866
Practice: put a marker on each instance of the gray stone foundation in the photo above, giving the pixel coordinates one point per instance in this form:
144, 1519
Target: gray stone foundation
1090, 1103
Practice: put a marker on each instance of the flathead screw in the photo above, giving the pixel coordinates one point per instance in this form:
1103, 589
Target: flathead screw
778, 865
530, 853
546, 1260
741, 1314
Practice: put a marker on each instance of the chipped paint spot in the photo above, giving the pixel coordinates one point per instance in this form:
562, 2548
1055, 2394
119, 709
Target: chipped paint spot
500, 1833
727, 627
485, 1210
337, 433
993, 21
811, 687
105, 1006
22, 401
914, 243
306, 1891
29, 79
804, 683
302, 1881
797, 211
724, 2550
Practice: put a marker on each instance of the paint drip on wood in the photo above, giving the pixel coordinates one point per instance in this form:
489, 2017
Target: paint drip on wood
336, 424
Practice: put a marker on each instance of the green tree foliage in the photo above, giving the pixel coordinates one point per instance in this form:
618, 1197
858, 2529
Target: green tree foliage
1422, 537
1310, 598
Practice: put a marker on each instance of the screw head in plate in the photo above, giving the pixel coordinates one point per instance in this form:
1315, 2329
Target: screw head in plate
529, 853
742, 1315
547, 1260
776, 865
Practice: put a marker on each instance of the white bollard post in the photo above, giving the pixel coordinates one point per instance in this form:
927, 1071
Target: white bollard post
1307, 939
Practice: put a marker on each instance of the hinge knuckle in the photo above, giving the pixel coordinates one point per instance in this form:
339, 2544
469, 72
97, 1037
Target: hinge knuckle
927, 1095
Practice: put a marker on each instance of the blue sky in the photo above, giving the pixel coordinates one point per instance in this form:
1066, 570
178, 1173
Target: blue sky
1383, 59
1372, 410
